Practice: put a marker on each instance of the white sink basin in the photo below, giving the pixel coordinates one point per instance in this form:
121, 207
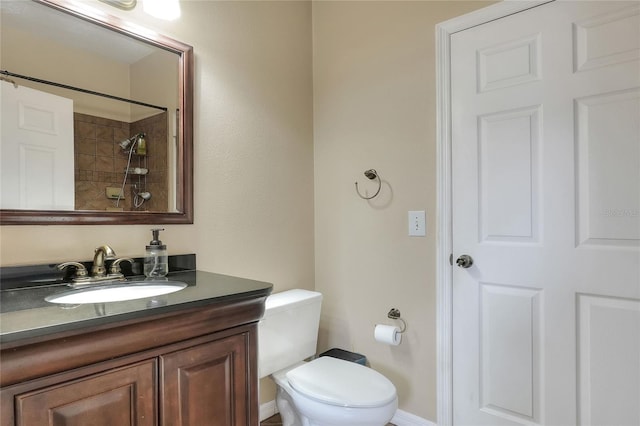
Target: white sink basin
116, 292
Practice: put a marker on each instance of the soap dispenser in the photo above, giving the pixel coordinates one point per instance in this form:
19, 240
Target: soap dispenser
141, 150
156, 262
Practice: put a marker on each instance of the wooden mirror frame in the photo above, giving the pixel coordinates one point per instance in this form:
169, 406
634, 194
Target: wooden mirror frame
184, 157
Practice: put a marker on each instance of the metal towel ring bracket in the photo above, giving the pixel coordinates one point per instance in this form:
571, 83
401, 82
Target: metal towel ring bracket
371, 174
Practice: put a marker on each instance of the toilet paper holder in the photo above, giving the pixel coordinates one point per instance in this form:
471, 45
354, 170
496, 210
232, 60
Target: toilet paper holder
394, 314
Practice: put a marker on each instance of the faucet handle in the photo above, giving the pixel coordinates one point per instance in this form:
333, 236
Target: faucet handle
81, 271
115, 266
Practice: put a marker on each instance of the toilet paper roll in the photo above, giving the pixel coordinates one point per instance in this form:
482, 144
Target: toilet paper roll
387, 334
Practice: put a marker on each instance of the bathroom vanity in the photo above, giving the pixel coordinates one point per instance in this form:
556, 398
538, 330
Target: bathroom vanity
186, 358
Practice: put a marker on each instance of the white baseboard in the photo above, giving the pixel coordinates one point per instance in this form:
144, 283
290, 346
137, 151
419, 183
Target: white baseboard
401, 418
268, 409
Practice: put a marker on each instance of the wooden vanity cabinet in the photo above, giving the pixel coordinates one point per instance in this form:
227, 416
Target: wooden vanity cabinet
124, 396
200, 385
177, 376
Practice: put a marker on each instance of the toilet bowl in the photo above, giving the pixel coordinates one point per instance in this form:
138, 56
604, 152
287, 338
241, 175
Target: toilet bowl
325, 391
332, 392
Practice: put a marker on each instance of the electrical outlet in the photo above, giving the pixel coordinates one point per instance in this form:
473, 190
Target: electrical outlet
417, 224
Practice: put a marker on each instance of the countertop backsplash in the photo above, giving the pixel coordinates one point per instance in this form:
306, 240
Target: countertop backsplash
12, 277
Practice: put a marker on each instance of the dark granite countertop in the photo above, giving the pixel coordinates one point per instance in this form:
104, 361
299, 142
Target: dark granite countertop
25, 314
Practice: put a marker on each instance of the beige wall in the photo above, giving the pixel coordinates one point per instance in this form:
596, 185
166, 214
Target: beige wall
52, 60
374, 107
149, 77
26, 54
373, 100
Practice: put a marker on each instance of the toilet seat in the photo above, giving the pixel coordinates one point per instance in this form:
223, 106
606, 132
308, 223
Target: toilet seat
342, 383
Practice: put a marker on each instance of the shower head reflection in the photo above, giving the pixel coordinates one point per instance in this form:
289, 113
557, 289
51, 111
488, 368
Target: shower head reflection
131, 142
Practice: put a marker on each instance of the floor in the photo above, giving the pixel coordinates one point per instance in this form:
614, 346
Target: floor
275, 421
272, 421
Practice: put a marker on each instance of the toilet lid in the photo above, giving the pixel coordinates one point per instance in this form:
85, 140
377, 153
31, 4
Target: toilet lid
343, 383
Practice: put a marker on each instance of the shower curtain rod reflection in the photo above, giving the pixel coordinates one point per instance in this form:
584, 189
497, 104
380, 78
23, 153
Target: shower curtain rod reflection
77, 89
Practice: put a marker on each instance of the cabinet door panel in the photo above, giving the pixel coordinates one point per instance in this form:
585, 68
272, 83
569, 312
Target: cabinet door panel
125, 396
206, 384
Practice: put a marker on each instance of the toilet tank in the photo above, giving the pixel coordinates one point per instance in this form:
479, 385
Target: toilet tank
288, 332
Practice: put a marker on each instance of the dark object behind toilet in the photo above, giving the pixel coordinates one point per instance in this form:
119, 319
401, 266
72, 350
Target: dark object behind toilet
346, 355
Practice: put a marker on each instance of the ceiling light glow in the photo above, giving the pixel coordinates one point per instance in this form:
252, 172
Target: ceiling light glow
162, 9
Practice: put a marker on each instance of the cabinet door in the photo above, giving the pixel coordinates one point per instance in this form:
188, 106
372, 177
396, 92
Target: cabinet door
206, 384
124, 396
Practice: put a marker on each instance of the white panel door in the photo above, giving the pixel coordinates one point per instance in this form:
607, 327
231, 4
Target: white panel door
546, 200
36, 153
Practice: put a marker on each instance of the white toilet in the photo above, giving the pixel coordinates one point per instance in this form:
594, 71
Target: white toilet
326, 391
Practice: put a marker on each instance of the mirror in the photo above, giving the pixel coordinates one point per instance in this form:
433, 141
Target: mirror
131, 119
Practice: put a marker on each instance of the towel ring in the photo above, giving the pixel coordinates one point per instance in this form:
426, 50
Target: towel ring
371, 174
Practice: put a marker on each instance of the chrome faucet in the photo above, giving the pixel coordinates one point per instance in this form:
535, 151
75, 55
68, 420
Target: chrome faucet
98, 270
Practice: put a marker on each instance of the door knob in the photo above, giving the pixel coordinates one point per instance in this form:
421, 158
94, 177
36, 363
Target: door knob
464, 261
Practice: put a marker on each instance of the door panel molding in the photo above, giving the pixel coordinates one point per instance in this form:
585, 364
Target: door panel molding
595, 205
588, 34
597, 343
